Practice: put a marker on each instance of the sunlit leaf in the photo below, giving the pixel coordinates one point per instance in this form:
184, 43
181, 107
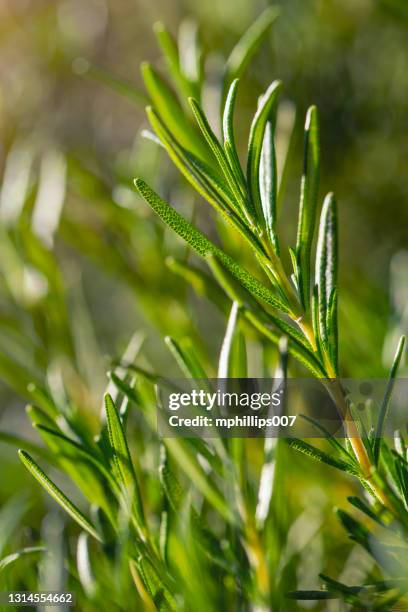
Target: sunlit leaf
204, 247
243, 51
57, 494
387, 399
308, 204
256, 143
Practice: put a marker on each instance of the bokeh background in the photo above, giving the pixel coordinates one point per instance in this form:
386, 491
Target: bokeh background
83, 261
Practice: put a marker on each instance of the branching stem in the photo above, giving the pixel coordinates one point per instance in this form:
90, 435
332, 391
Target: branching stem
368, 469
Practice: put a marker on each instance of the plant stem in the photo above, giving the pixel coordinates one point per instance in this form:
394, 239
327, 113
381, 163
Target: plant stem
258, 560
298, 315
333, 385
367, 467
274, 263
306, 327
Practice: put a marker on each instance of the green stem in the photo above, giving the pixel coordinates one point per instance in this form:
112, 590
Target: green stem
367, 467
300, 317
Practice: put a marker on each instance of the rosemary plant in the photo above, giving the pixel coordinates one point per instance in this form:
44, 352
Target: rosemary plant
247, 200
299, 304
208, 540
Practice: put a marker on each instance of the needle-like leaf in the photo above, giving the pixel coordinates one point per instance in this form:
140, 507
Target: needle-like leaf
269, 477
232, 360
228, 134
268, 324
123, 461
308, 204
332, 328
204, 247
233, 180
68, 447
208, 184
158, 590
57, 494
246, 47
380, 551
326, 267
199, 174
169, 482
387, 399
169, 49
266, 107
85, 573
13, 557
363, 507
318, 455
170, 110
268, 183
191, 54
331, 439
186, 360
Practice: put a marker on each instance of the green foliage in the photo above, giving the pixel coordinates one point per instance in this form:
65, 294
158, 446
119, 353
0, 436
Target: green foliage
326, 277
387, 398
249, 202
57, 494
308, 206
319, 455
203, 526
10, 559
243, 51
169, 108
122, 462
256, 142
204, 247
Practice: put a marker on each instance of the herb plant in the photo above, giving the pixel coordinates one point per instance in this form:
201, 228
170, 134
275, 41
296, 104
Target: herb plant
302, 305
212, 537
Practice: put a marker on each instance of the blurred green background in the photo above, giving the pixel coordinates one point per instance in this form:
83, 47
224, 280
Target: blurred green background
82, 259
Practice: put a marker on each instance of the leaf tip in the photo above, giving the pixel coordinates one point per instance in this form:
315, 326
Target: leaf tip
193, 103
271, 13
329, 202
400, 350
158, 27
23, 455
107, 398
139, 184
149, 110
312, 116
145, 68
